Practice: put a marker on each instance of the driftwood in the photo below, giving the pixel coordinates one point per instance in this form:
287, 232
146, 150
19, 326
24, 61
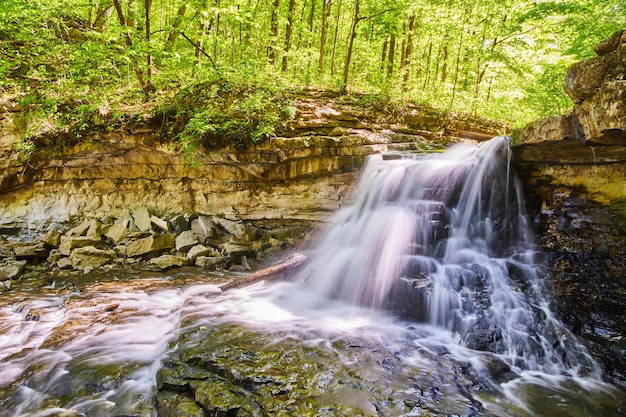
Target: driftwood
269, 273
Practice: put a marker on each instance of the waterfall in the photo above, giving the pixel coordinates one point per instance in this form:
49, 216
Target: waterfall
443, 239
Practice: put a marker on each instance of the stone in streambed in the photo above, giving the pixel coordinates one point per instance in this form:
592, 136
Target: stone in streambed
204, 228
179, 223
239, 230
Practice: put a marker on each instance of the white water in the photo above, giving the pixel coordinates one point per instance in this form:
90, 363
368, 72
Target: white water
478, 280
439, 223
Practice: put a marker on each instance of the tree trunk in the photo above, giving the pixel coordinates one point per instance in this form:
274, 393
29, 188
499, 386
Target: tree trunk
145, 86
103, 14
171, 39
458, 63
383, 57
312, 16
288, 32
148, 6
407, 54
392, 55
351, 37
428, 57
131, 14
272, 272
323, 36
335, 38
272, 53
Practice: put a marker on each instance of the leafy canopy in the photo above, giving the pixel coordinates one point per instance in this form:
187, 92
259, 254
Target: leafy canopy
77, 63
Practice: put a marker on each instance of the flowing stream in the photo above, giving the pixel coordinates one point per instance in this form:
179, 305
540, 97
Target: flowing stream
425, 293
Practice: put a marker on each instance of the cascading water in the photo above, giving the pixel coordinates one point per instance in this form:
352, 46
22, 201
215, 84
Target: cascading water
443, 238
439, 240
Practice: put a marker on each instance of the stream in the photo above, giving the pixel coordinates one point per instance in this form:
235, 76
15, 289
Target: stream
424, 298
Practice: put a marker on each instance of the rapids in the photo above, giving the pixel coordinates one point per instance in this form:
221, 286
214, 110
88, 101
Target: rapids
424, 297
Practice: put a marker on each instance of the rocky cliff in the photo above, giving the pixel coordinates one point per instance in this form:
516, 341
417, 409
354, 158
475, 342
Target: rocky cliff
304, 173
125, 189
574, 170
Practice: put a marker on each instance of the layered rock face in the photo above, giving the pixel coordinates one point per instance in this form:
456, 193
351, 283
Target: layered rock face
305, 173
574, 171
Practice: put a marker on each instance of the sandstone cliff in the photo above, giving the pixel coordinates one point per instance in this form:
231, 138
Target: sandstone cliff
304, 173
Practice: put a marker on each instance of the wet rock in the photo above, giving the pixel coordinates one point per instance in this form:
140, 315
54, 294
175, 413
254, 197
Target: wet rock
69, 243
186, 240
90, 257
179, 405
142, 219
169, 261
150, 244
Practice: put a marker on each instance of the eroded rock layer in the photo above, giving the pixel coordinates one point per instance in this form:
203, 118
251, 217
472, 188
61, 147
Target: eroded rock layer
574, 170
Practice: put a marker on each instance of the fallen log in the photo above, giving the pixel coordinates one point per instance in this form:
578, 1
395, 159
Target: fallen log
268, 273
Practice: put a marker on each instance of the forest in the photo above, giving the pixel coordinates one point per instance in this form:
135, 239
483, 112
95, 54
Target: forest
71, 62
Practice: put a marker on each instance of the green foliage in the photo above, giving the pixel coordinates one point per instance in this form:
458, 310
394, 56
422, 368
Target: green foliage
79, 65
218, 114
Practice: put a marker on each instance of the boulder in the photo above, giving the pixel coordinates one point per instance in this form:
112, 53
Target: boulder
214, 262
80, 230
30, 251
204, 228
11, 269
89, 228
236, 250
238, 229
54, 256
69, 243
115, 232
90, 257
150, 244
142, 219
126, 220
201, 250
179, 223
186, 240
52, 238
160, 224
169, 261
64, 263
